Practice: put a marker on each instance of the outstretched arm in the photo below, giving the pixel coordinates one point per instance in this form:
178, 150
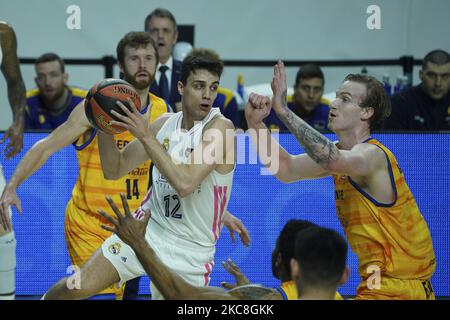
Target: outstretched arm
38, 155
286, 167
16, 90
171, 285
361, 160
183, 177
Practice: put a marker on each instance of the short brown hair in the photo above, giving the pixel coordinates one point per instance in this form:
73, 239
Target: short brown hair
135, 39
50, 57
376, 98
160, 13
438, 57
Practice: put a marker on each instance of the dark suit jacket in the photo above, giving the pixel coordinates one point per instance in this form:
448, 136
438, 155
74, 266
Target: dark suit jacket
174, 94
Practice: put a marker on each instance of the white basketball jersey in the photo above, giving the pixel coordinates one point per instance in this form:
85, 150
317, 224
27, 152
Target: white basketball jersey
197, 217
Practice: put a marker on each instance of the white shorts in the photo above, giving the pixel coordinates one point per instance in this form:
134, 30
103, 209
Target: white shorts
190, 261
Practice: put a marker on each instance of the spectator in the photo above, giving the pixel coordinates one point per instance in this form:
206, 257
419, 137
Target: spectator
307, 101
162, 27
50, 104
427, 105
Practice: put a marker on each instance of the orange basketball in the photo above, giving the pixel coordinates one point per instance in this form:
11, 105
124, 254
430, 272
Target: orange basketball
101, 100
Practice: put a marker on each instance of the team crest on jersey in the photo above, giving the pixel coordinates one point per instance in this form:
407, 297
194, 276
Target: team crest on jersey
166, 144
114, 248
41, 119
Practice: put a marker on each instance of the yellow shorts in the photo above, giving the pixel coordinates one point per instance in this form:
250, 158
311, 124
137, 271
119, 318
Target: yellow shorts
84, 236
397, 289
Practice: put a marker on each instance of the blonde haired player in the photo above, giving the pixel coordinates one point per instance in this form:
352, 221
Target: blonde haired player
380, 217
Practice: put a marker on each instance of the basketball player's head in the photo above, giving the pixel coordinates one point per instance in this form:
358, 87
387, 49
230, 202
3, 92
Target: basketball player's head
319, 262
361, 100
200, 76
138, 57
51, 78
162, 26
435, 74
284, 248
308, 87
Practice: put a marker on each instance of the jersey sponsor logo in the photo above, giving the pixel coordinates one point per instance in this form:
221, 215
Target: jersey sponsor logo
139, 172
121, 143
115, 248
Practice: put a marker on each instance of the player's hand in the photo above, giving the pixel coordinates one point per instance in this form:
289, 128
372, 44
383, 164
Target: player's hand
15, 136
257, 109
239, 277
133, 121
9, 197
233, 225
127, 227
279, 88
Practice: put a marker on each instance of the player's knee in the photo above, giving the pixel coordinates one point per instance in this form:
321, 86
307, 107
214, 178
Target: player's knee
7, 265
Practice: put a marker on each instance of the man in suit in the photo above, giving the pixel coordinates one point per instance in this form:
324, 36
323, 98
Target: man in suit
162, 26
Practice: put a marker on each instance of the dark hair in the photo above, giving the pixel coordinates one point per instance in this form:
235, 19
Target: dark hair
321, 255
309, 71
49, 57
135, 39
286, 240
160, 13
376, 98
194, 62
438, 57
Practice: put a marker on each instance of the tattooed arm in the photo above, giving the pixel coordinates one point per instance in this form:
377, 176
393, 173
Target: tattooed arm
361, 160
317, 146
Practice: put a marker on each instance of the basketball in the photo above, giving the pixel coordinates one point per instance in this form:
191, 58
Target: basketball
101, 100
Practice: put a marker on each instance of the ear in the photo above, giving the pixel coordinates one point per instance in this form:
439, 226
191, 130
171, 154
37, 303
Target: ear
180, 87
120, 67
367, 113
294, 269
279, 260
345, 276
66, 78
175, 37
421, 75
36, 81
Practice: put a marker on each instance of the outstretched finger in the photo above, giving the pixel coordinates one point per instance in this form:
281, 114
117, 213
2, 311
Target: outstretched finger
133, 107
113, 230
108, 217
5, 136
233, 237
126, 208
227, 285
114, 208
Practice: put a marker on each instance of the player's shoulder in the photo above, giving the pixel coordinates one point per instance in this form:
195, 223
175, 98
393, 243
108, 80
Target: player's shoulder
372, 150
78, 92
220, 122
32, 93
159, 103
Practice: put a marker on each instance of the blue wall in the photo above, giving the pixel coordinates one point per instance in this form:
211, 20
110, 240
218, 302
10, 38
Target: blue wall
260, 201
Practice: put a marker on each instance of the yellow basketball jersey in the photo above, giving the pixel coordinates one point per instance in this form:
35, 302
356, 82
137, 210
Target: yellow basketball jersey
288, 291
91, 187
390, 238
